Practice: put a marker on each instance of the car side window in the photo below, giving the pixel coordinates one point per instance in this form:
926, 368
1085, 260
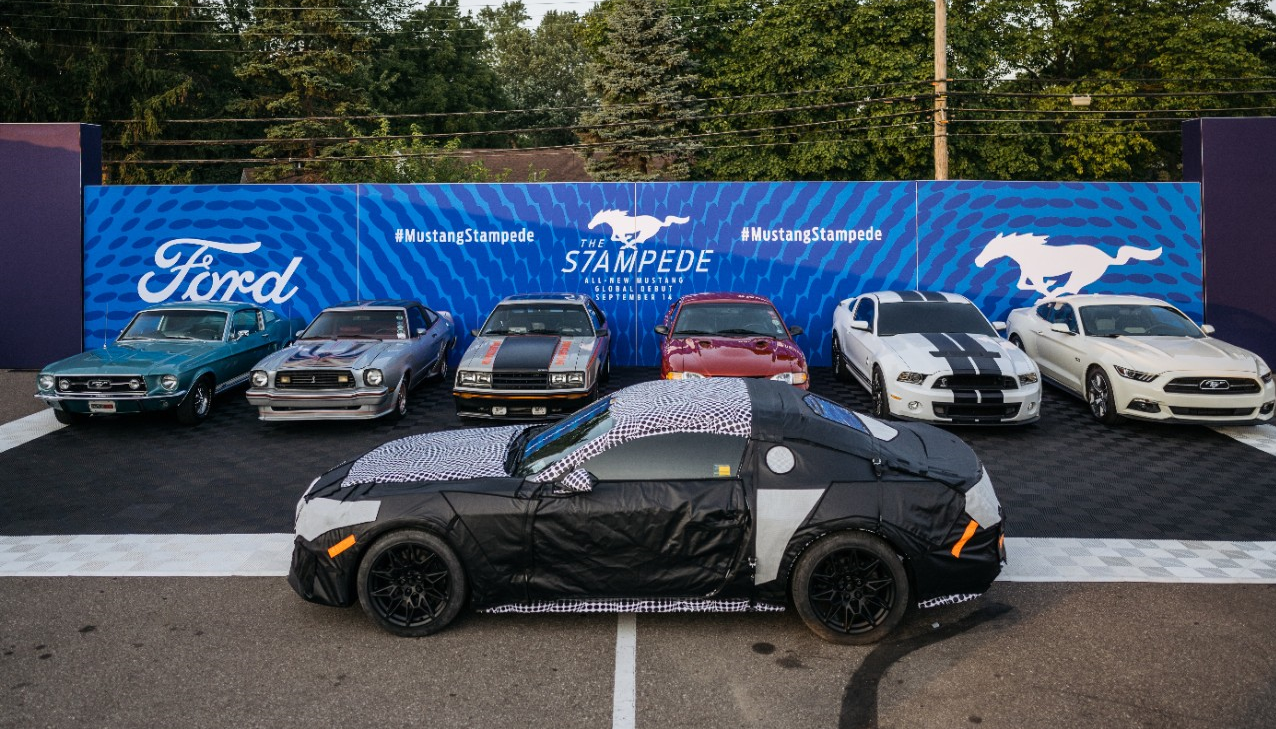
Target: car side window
1046, 312
245, 319
1066, 315
416, 319
670, 457
865, 311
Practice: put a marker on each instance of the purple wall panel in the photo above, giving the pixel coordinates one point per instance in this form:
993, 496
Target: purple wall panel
1235, 162
42, 169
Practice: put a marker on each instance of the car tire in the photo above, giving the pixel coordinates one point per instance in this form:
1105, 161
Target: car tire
1098, 395
840, 369
443, 371
850, 588
400, 407
881, 403
1015, 340
411, 583
69, 418
198, 403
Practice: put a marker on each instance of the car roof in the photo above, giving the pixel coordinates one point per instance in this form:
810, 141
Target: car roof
545, 298
1088, 299
912, 296
375, 304
723, 296
225, 306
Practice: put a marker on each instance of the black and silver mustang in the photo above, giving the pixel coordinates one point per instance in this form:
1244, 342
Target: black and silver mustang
717, 495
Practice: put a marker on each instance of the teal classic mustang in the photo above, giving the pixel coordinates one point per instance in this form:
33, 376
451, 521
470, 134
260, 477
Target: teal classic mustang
173, 357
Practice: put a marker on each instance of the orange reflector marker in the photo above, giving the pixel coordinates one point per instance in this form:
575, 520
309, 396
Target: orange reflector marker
970, 532
341, 546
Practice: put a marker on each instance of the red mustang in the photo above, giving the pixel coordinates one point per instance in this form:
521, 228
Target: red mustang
729, 335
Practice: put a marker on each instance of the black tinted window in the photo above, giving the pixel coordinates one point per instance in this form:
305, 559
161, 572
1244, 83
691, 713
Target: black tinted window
866, 311
417, 320
671, 457
1045, 311
1137, 320
926, 317
1065, 315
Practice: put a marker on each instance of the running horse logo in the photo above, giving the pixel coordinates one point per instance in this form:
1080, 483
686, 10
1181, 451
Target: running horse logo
1041, 266
630, 230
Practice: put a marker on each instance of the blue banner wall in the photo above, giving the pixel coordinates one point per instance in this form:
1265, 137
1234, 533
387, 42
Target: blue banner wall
633, 247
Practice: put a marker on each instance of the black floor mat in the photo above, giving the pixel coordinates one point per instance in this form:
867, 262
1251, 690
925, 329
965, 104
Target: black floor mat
1065, 476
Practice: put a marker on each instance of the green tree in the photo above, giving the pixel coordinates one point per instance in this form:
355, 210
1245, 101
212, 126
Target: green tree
645, 80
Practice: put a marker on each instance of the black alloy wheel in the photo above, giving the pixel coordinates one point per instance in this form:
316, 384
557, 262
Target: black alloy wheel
881, 406
198, 403
1098, 393
840, 370
411, 583
851, 588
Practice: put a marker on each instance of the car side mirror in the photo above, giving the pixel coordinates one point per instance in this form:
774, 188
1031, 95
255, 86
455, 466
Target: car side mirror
578, 481
418, 332
474, 332
239, 334
1061, 328
999, 326
604, 332
860, 325
1208, 329
795, 331
662, 330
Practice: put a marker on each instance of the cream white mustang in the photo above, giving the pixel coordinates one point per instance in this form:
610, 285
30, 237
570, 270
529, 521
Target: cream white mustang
933, 356
1142, 358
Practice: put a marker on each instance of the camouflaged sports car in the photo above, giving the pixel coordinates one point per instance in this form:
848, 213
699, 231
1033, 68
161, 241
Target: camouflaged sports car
722, 495
537, 357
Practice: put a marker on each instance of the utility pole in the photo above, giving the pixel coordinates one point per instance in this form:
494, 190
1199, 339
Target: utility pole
941, 89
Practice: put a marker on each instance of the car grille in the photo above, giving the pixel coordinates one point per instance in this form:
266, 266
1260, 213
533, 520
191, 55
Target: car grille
95, 384
981, 411
314, 380
520, 380
975, 382
1213, 412
1235, 386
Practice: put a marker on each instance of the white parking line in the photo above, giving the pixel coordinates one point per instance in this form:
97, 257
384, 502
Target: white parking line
25, 430
1262, 437
624, 701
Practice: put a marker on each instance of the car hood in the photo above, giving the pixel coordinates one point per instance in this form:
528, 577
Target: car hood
529, 352
927, 451
734, 356
1177, 354
336, 353
133, 358
942, 353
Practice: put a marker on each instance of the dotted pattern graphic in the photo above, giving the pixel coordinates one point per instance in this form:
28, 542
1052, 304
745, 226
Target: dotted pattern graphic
627, 605
719, 406
948, 600
446, 456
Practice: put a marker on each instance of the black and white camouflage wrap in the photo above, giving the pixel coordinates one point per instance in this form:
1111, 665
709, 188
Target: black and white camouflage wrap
446, 456
638, 605
716, 405
947, 600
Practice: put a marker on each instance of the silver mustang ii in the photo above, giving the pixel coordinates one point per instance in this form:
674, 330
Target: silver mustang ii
537, 357
356, 361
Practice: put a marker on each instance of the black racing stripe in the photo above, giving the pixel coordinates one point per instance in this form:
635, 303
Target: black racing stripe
992, 396
525, 353
983, 358
910, 296
947, 351
932, 296
965, 397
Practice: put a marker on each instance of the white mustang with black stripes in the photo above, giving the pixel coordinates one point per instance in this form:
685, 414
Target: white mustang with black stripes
537, 357
933, 356
721, 495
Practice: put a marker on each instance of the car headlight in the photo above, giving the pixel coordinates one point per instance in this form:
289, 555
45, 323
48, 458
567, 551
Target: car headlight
168, 382
1027, 379
45, 382
259, 378
1266, 376
793, 378
474, 379
911, 378
684, 376
567, 379
1130, 374
373, 377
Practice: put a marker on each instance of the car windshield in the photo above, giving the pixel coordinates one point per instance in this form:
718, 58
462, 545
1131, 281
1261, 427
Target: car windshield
207, 326
729, 319
539, 448
1137, 320
931, 317
830, 410
358, 324
566, 320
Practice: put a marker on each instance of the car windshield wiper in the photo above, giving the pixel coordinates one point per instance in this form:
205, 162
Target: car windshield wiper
693, 333
514, 456
747, 333
178, 336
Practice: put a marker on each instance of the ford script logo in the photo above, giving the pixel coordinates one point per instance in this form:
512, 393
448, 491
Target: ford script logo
99, 384
1215, 385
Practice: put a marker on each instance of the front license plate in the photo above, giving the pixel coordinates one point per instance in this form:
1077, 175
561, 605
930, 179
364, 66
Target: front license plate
539, 411
102, 406
498, 410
